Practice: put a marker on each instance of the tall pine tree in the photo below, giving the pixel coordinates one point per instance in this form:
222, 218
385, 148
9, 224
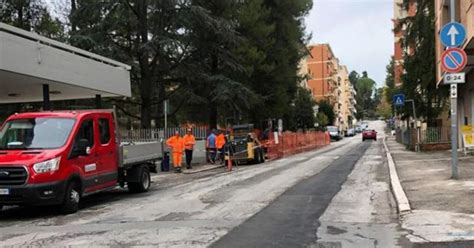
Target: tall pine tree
419, 81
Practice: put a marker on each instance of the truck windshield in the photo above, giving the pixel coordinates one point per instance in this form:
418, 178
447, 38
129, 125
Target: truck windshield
35, 133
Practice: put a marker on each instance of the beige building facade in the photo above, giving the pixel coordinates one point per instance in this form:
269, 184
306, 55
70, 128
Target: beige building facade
328, 80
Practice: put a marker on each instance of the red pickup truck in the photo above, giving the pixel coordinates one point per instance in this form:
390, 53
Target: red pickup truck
56, 158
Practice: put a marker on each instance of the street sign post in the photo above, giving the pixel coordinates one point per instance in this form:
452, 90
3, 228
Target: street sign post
399, 100
453, 60
453, 34
454, 91
455, 78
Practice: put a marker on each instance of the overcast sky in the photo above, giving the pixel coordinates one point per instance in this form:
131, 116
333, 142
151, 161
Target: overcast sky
359, 32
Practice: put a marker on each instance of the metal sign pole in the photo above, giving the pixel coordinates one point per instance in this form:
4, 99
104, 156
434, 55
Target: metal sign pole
454, 114
454, 134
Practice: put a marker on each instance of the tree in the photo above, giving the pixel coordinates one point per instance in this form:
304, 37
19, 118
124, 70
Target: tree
322, 120
304, 112
354, 77
419, 81
384, 107
149, 36
390, 89
31, 15
256, 29
214, 39
326, 108
279, 82
365, 89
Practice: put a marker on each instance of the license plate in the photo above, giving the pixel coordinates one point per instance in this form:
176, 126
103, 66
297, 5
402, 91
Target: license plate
4, 191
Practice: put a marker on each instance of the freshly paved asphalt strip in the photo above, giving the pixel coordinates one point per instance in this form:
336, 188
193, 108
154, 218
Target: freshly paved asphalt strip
292, 219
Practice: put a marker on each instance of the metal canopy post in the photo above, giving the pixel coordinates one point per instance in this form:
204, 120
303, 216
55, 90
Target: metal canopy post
46, 101
98, 101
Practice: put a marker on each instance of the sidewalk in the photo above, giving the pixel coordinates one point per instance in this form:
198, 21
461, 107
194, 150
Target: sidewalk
442, 208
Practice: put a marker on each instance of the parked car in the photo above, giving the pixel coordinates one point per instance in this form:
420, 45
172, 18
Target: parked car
369, 134
56, 158
334, 133
364, 126
351, 132
358, 129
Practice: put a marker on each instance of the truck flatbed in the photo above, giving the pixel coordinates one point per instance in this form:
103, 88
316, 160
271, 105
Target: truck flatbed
141, 152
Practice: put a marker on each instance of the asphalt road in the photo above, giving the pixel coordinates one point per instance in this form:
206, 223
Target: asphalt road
337, 196
292, 220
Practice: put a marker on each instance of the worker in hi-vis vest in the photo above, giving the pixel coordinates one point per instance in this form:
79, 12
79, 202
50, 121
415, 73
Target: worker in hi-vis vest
176, 143
220, 142
189, 142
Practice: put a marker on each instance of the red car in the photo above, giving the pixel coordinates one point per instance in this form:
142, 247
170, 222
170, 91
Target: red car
369, 134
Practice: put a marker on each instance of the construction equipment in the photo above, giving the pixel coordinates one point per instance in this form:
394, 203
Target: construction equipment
245, 145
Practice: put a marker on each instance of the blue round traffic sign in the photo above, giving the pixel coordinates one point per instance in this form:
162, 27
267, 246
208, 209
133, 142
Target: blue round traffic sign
453, 34
454, 60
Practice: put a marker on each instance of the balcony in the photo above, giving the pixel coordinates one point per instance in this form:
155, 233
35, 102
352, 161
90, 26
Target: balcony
353, 100
353, 110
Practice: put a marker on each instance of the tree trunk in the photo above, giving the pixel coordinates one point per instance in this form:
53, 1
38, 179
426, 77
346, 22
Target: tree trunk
213, 105
146, 86
73, 10
20, 18
212, 115
145, 110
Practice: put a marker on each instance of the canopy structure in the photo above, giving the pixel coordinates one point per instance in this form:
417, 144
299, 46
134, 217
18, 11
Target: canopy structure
35, 69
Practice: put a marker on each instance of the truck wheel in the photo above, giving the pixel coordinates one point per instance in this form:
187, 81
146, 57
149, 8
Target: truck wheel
71, 198
145, 181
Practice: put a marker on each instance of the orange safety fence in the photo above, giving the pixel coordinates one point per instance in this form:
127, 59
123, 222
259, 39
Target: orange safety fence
290, 143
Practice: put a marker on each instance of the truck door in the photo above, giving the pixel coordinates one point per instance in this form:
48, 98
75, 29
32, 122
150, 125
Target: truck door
86, 162
107, 149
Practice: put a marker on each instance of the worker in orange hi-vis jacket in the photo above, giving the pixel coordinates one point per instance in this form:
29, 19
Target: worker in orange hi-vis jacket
176, 143
189, 142
220, 142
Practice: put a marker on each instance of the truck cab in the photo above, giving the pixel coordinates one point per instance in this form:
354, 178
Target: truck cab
56, 158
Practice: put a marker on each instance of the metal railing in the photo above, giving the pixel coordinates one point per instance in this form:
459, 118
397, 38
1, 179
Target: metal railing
155, 134
431, 135
435, 135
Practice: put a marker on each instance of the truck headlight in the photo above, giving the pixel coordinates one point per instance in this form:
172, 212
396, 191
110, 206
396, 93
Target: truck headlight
47, 166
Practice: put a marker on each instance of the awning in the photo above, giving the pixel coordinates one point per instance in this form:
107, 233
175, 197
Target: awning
29, 61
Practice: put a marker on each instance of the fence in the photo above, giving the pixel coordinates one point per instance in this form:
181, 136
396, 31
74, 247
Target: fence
155, 134
431, 138
292, 143
435, 135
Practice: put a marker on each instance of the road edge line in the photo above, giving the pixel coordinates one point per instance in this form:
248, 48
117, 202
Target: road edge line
403, 204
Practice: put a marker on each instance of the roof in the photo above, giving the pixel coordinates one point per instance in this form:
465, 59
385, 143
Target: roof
56, 114
28, 61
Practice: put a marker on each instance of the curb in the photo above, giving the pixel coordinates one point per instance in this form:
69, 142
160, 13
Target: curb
403, 204
203, 170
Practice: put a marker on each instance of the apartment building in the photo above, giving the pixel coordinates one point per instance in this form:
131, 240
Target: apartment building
399, 14
464, 10
348, 107
329, 81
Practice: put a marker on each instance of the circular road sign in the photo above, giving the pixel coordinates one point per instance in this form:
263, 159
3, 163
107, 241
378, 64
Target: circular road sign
453, 34
453, 60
